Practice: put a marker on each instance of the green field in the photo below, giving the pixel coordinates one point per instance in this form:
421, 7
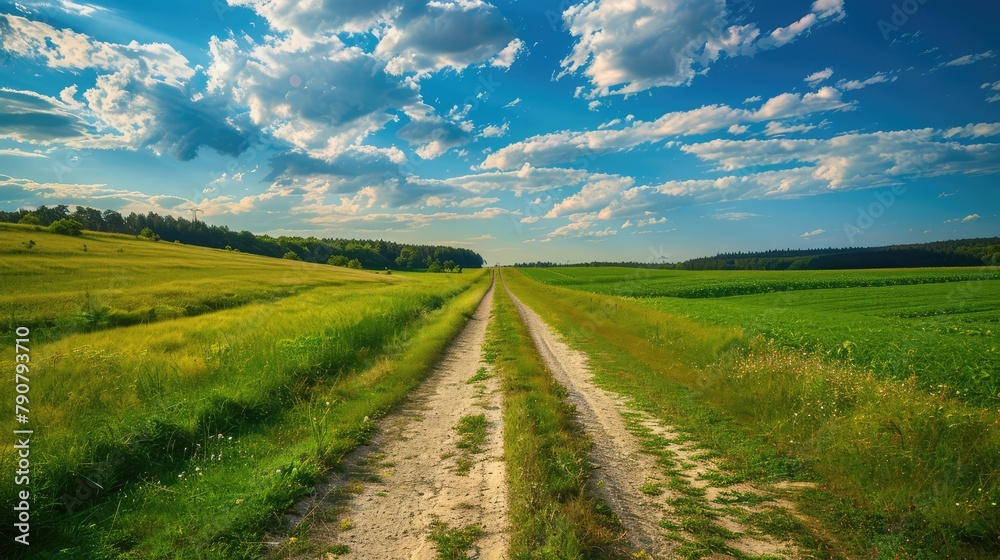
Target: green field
181, 434
885, 396
941, 326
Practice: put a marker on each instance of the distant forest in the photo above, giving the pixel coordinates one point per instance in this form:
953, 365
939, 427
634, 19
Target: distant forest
959, 252
370, 254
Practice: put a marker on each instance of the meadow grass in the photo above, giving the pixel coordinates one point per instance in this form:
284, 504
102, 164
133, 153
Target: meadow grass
901, 472
552, 515
939, 326
64, 285
185, 437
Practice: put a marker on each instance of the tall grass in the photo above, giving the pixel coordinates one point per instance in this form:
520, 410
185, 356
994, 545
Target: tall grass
906, 472
132, 411
552, 515
64, 285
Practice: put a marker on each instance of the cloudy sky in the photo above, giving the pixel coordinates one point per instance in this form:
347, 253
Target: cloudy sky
526, 130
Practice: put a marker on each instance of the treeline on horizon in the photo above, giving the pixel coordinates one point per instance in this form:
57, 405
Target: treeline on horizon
959, 252
372, 254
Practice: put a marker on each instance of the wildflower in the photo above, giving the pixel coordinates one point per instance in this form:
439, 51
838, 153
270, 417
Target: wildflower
239, 501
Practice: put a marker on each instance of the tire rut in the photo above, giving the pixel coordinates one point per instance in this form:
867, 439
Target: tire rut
393, 489
623, 470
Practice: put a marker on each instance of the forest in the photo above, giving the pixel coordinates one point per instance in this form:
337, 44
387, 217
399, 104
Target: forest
370, 254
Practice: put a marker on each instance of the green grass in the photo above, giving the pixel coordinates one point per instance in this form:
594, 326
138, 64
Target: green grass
184, 437
938, 326
453, 543
57, 288
902, 470
472, 430
552, 515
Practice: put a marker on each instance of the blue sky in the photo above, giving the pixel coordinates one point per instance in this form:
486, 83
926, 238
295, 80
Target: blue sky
645, 130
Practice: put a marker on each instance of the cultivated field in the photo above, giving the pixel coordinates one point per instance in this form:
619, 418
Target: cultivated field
878, 386
194, 403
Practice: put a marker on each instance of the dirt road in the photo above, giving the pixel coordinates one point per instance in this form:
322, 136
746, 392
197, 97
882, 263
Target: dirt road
408, 477
625, 476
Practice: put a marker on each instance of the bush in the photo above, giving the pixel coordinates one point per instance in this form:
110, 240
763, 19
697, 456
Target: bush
338, 260
30, 219
148, 235
355, 264
292, 256
66, 226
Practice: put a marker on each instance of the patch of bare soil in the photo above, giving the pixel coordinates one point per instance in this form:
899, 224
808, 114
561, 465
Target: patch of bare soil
413, 474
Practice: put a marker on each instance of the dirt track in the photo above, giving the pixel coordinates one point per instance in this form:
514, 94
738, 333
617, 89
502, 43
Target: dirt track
405, 485
622, 468
398, 486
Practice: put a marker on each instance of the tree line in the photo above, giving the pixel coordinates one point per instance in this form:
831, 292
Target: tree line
364, 253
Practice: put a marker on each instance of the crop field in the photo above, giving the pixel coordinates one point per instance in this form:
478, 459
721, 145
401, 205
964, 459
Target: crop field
939, 326
187, 402
880, 387
186, 431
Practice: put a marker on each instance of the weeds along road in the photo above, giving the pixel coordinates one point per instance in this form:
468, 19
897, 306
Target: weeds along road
626, 477
413, 475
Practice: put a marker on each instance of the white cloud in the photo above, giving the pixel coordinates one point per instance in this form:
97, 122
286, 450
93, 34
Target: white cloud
736, 216
506, 57
494, 131
651, 222
775, 128
627, 224
966, 60
593, 195
568, 145
750, 100
813, 233
426, 38
738, 129
816, 78
484, 237
627, 47
973, 130
512, 103
594, 105
965, 220
878, 78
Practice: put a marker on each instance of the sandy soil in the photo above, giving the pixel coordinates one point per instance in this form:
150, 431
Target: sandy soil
622, 468
406, 479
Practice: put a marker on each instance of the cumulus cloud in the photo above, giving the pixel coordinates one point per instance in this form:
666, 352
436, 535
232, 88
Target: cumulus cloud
297, 93
319, 18
777, 128
627, 47
427, 37
568, 146
141, 98
494, 131
813, 233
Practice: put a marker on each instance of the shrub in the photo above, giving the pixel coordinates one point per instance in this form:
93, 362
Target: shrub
338, 260
66, 226
292, 256
355, 264
148, 235
30, 219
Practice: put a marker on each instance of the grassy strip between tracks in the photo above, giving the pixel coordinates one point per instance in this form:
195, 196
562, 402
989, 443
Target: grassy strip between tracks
902, 473
239, 473
552, 515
